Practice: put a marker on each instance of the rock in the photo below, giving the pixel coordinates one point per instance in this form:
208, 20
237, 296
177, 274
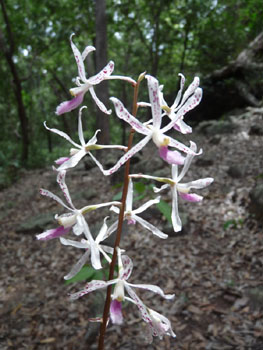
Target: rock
36, 224
205, 160
216, 127
256, 129
256, 201
236, 171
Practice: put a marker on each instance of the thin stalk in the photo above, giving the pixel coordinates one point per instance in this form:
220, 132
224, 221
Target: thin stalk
120, 223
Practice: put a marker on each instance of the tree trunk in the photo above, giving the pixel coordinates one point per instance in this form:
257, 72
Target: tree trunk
103, 121
9, 52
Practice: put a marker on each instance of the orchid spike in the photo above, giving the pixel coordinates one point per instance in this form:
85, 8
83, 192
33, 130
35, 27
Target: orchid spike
84, 84
79, 150
176, 187
151, 131
131, 215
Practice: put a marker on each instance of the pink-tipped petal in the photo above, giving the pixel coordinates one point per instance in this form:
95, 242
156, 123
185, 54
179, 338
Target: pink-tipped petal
53, 233
171, 157
61, 160
131, 222
190, 197
68, 106
115, 312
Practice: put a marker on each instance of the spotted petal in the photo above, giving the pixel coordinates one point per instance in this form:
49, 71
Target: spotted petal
90, 287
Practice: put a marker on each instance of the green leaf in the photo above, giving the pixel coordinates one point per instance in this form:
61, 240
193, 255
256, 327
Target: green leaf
85, 274
117, 196
139, 187
165, 209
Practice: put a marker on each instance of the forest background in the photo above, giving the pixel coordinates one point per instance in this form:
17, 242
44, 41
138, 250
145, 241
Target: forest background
162, 37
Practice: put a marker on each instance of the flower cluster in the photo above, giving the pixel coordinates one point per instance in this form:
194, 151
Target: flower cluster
173, 152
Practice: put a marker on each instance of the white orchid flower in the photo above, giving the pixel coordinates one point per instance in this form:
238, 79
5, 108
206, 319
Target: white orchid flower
85, 244
153, 131
73, 219
131, 215
84, 84
79, 150
191, 98
176, 187
121, 285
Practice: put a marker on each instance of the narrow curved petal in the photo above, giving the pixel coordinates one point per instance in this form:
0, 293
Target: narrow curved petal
179, 94
112, 229
127, 264
90, 287
72, 161
121, 77
152, 288
123, 114
171, 157
146, 205
153, 88
150, 227
191, 103
72, 243
190, 197
142, 308
54, 197
102, 75
61, 179
187, 163
116, 312
86, 51
189, 91
182, 127
103, 231
182, 147
68, 106
80, 129
163, 187
79, 60
176, 221
78, 266
129, 198
162, 324
98, 102
94, 249
198, 184
127, 156
63, 134
53, 233
93, 140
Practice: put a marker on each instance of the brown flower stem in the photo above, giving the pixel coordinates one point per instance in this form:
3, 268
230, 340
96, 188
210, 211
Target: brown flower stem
120, 223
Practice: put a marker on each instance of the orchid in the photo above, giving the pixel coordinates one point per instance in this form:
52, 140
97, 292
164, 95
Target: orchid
180, 107
131, 215
85, 244
74, 219
125, 266
154, 131
77, 153
84, 84
182, 189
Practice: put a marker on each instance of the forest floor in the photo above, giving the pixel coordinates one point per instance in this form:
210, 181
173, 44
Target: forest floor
214, 266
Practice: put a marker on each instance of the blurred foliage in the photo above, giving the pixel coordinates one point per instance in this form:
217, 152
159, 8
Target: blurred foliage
160, 36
